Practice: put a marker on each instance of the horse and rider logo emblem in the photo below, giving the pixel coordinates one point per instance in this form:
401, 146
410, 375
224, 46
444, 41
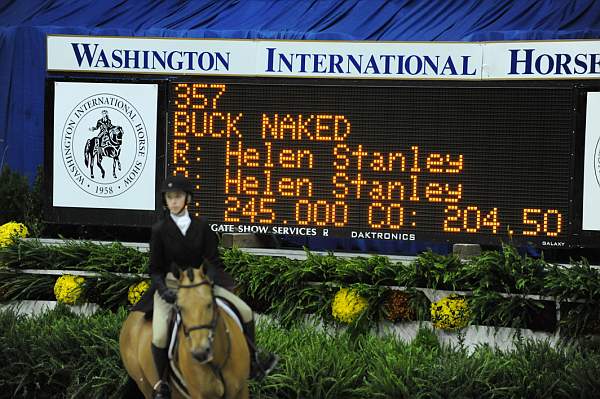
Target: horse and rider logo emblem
104, 145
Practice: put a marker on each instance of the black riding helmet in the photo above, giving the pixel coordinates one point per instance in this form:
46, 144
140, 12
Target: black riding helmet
176, 183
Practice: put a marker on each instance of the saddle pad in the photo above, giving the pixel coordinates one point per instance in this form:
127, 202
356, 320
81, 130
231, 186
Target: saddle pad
230, 311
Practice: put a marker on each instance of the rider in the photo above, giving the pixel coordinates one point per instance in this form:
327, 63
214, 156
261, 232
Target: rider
180, 240
104, 124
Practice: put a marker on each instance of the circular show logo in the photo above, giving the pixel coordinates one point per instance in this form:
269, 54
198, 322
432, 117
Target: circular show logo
104, 145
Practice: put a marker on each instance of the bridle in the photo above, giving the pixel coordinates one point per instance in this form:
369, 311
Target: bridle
213, 323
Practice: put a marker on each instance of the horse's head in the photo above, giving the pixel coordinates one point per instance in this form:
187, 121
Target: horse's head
116, 134
197, 307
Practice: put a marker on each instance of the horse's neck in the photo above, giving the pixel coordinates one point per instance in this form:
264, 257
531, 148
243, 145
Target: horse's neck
112, 137
222, 343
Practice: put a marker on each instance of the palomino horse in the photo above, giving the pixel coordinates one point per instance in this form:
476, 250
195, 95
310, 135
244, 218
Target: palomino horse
212, 355
109, 146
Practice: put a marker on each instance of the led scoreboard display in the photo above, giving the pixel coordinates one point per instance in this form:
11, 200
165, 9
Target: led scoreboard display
462, 163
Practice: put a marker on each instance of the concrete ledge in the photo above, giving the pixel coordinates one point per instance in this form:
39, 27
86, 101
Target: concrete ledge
240, 240
140, 246
33, 308
466, 251
470, 337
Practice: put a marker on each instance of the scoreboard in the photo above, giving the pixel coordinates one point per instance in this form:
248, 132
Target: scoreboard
480, 142
399, 161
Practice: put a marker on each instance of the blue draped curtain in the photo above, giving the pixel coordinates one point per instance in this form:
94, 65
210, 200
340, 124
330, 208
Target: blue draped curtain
24, 25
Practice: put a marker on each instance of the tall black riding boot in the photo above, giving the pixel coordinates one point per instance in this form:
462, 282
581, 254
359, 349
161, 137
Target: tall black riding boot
259, 367
161, 361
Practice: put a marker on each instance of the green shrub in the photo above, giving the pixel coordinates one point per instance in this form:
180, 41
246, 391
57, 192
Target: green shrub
19, 286
431, 270
14, 196
578, 281
491, 309
83, 255
505, 271
426, 339
290, 289
59, 355
20, 202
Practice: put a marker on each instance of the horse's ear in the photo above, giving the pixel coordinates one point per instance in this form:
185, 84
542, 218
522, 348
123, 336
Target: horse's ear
204, 272
177, 272
190, 273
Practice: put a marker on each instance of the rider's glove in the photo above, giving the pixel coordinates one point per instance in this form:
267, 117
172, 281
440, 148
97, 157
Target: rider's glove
168, 295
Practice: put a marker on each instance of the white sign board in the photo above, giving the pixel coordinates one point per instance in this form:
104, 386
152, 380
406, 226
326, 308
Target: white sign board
104, 145
274, 58
150, 55
557, 59
591, 170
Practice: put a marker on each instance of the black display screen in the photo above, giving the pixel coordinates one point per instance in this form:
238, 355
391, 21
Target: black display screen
398, 162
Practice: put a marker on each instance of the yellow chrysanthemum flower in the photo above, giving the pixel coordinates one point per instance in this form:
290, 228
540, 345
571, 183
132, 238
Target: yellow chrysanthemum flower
450, 313
67, 288
348, 305
11, 230
136, 291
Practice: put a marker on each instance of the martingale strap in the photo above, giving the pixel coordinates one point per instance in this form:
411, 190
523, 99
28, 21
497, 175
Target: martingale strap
176, 378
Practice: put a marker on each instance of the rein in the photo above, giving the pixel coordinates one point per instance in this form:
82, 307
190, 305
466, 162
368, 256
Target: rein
213, 322
216, 369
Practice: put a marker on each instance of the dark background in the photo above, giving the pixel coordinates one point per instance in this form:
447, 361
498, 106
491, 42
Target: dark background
517, 143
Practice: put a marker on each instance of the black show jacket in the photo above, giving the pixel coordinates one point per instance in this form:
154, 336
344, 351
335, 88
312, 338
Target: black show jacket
170, 249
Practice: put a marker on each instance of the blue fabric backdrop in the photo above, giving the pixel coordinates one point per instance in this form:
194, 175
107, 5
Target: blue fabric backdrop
24, 25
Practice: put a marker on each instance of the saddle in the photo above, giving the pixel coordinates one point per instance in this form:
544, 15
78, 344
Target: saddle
146, 306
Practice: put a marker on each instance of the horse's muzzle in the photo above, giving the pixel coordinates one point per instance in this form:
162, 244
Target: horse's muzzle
203, 356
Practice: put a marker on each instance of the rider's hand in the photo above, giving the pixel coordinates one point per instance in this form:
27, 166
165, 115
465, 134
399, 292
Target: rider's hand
169, 295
